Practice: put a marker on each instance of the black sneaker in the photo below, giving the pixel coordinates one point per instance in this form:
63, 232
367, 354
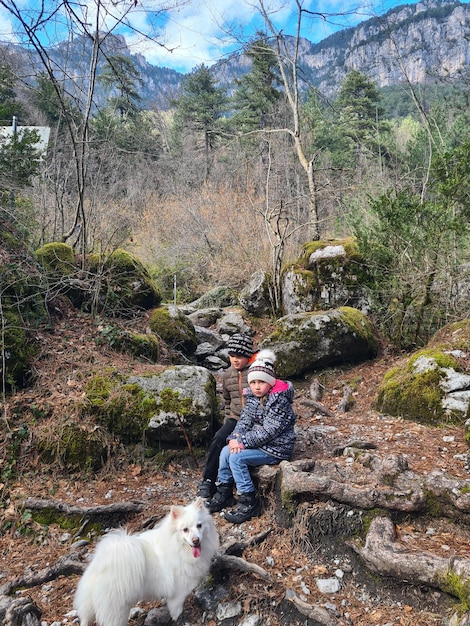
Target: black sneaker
206, 489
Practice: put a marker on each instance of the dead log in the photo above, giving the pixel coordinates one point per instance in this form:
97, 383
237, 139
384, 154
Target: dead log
316, 390
347, 401
312, 611
319, 408
384, 555
231, 562
105, 510
65, 566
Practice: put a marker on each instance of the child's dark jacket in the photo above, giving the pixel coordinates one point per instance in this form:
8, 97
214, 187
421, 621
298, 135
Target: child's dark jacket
269, 426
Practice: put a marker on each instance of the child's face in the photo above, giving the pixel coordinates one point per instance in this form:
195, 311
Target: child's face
259, 388
237, 361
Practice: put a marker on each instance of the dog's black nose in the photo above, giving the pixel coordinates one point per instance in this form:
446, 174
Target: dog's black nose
196, 542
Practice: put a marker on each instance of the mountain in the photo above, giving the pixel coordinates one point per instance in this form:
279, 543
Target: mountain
415, 42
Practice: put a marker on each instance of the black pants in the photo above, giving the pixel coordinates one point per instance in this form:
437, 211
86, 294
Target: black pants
218, 442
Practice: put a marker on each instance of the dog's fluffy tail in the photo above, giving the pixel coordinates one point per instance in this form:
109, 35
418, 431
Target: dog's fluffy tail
112, 582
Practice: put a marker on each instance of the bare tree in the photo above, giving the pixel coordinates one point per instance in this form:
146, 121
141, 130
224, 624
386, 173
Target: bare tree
35, 26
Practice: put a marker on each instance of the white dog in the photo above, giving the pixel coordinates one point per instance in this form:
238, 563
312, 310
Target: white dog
165, 563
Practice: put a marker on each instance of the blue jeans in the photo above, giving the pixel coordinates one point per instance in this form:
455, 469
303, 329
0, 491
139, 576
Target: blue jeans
235, 467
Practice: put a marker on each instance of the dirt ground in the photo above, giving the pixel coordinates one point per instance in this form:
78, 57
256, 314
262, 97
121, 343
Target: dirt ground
70, 353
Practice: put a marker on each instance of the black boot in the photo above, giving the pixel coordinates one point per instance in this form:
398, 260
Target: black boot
223, 497
248, 507
206, 489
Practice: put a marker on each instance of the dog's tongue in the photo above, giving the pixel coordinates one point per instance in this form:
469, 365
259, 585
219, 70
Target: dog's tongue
196, 551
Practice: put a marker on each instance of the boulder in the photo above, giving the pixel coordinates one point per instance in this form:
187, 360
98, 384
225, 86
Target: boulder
174, 328
185, 401
327, 275
308, 341
254, 297
428, 387
232, 322
432, 385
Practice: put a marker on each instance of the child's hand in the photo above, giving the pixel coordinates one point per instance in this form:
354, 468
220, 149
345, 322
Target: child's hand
235, 446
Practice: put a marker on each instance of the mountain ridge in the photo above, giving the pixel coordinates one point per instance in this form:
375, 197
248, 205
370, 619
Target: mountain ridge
415, 43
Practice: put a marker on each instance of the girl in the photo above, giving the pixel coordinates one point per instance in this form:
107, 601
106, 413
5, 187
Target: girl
264, 435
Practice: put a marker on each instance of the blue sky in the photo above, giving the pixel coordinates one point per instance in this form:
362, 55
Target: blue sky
200, 31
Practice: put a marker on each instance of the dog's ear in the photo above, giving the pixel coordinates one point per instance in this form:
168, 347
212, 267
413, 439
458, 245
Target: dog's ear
199, 503
176, 511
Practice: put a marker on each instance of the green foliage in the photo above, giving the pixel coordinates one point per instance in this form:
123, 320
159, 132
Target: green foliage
50, 98
257, 93
408, 245
19, 160
198, 110
9, 106
120, 75
361, 113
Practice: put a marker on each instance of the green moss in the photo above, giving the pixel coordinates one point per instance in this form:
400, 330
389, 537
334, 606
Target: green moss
124, 284
349, 244
137, 344
360, 325
174, 328
126, 412
19, 348
98, 389
171, 402
56, 258
413, 394
73, 446
288, 501
457, 586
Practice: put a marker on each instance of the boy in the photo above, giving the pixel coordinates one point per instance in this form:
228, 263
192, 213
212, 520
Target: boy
234, 379
264, 435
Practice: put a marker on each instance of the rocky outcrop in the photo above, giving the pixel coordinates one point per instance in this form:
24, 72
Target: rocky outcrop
432, 385
309, 341
326, 275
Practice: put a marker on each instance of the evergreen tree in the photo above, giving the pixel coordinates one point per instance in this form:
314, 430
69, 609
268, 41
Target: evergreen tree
8, 105
256, 95
52, 104
360, 112
198, 113
120, 75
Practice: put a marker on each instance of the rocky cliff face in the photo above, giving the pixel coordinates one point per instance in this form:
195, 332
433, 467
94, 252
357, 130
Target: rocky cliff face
415, 43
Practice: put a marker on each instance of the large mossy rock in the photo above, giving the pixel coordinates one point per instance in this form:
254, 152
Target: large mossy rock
174, 328
162, 408
308, 341
186, 405
327, 275
122, 284
432, 385
57, 259
115, 284
22, 307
